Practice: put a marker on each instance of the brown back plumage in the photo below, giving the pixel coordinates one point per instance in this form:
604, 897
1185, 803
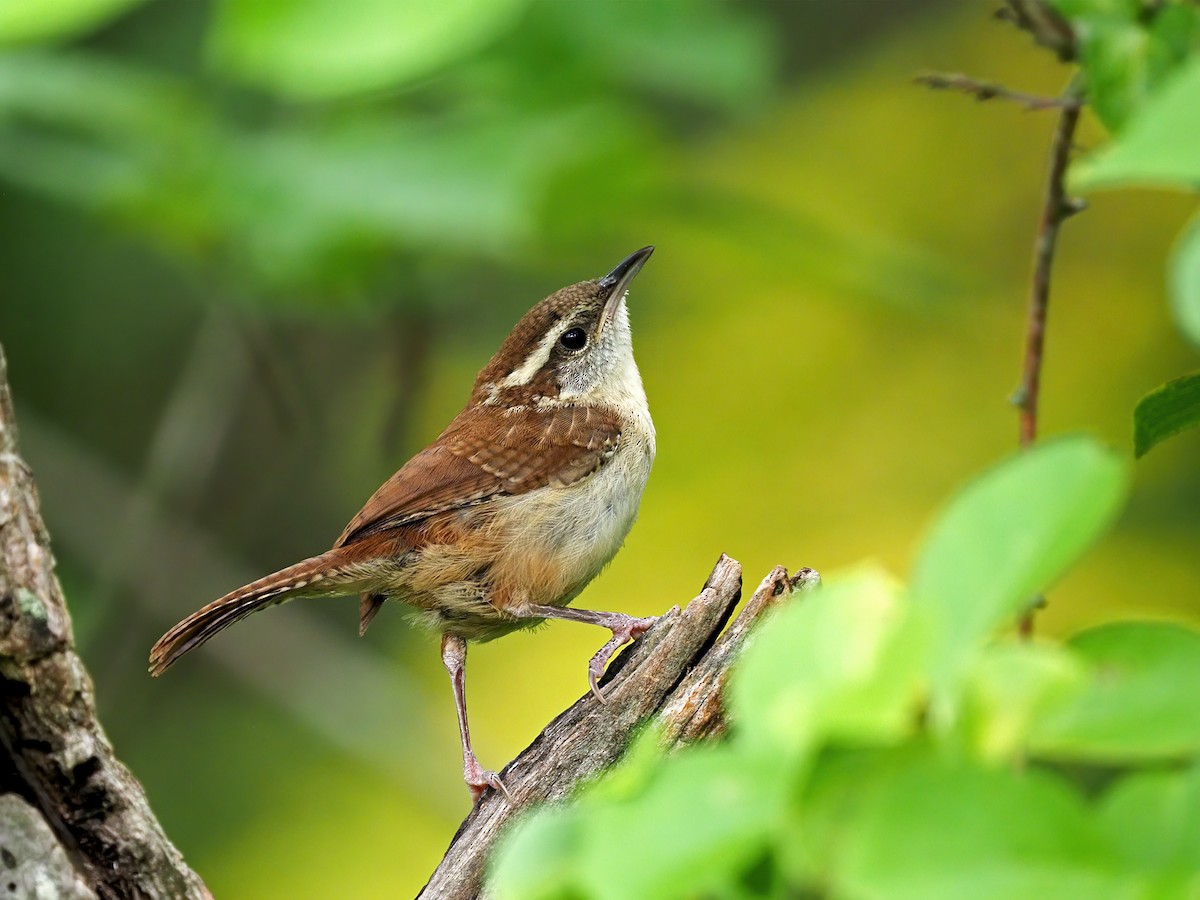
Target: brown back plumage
485, 453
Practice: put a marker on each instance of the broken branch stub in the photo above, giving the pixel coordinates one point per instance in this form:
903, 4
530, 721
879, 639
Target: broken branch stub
674, 674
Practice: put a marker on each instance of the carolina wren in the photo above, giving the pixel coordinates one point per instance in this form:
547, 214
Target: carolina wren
500, 522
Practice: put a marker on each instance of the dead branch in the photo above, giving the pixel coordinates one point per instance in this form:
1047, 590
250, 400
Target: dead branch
675, 674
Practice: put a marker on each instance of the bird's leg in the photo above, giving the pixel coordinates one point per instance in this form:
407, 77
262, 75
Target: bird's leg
478, 779
624, 629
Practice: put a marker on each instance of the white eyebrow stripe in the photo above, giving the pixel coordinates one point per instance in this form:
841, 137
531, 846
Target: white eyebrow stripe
535, 361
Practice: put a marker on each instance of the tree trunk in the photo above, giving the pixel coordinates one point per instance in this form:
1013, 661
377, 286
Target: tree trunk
73, 821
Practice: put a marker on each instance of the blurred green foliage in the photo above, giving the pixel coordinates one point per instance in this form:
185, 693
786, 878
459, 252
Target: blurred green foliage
248, 271
1154, 149
317, 49
1127, 49
1141, 68
856, 769
44, 20
429, 161
973, 762
1185, 283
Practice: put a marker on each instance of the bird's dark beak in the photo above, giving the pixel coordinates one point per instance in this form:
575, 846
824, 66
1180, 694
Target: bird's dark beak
616, 282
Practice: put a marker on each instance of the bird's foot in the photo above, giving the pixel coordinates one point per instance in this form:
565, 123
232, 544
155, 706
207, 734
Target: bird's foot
479, 779
624, 629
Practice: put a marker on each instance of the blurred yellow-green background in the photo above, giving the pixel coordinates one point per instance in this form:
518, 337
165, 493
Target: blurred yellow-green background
254, 252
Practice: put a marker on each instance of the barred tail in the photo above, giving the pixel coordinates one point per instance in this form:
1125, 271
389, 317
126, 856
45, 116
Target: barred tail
236, 605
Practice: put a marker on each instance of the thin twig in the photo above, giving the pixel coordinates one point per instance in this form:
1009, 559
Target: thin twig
1056, 208
986, 90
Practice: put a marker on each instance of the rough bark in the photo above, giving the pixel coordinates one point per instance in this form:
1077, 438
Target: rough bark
674, 674
32, 861
56, 763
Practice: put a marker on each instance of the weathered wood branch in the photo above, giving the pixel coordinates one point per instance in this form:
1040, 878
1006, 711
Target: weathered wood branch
674, 674
56, 763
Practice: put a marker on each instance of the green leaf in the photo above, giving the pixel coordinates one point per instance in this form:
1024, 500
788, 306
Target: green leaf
1005, 538
1010, 686
706, 814
679, 825
301, 209
842, 783
1153, 821
111, 138
1159, 145
87, 95
830, 664
32, 21
320, 49
1183, 282
537, 858
1113, 54
945, 828
1176, 28
1087, 9
1126, 53
1126, 62
1165, 412
1141, 700
699, 50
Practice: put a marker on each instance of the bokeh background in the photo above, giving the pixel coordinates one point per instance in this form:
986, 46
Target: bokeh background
254, 252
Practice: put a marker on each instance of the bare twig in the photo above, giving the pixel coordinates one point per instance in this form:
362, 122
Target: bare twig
1056, 208
53, 751
986, 90
1050, 30
675, 673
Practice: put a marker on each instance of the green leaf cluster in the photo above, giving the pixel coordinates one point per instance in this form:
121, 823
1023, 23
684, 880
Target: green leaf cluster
315, 150
1140, 63
891, 740
1128, 49
34, 21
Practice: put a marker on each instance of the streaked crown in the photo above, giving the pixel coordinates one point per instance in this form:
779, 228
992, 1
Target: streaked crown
568, 346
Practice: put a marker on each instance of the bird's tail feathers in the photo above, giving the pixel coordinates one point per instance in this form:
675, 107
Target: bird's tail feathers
307, 577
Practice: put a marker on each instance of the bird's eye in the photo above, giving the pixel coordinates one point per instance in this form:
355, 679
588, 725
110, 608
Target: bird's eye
574, 339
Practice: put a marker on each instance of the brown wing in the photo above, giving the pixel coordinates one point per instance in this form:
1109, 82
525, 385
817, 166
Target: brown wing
489, 452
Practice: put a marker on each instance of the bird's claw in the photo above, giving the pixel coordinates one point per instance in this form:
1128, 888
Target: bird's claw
624, 629
479, 779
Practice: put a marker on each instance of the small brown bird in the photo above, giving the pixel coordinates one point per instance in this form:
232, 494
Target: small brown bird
500, 522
